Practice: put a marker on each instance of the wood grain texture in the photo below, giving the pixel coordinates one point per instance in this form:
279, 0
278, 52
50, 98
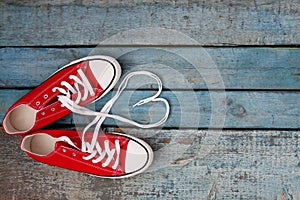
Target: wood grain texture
248, 160
267, 22
239, 68
194, 109
241, 165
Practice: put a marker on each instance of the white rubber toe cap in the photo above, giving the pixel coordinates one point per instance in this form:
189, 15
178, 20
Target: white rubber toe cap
138, 158
103, 71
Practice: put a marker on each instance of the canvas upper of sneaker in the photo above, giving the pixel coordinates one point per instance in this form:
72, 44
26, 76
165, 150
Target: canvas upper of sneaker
88, 79
62, 148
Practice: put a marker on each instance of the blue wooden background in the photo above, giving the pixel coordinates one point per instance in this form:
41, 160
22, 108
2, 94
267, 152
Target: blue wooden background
253, 154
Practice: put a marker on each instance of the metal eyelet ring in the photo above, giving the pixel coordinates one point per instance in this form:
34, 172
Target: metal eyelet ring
43, 113
37, 103
52, 109
74, 154
64, 150
45, 96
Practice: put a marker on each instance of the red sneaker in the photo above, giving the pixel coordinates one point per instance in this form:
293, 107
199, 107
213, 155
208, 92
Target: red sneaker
84, 81
112, 155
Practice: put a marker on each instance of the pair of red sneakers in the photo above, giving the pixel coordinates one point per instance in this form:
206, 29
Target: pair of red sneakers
109, 155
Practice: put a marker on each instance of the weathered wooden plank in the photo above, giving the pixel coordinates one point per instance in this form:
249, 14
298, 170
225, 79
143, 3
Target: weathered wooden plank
239, 165
240, 109
237, 68
204, 23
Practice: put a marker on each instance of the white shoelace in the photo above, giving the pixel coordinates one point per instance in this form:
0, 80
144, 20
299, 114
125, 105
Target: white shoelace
84, 82
94, 148
110, 153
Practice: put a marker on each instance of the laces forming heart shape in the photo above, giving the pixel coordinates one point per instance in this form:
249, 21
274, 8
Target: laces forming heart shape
91, 147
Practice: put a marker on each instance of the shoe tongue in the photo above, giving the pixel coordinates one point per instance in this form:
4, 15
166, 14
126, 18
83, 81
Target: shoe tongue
68, 141
67, 145
63, 144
